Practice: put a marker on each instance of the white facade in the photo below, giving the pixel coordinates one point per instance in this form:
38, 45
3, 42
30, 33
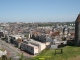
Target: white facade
3, 53
29, 47
32, 46
40, 45
17, 36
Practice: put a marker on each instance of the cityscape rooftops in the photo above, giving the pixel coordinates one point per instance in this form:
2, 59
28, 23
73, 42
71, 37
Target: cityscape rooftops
29, 44
33, 41
36, 42
32, 45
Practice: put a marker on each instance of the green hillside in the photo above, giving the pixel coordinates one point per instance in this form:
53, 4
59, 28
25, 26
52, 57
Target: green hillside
69, 53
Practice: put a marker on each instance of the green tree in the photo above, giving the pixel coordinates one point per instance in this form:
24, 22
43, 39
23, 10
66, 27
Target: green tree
63, 38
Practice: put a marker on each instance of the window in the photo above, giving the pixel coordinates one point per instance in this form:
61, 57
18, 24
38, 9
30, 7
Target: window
31, 48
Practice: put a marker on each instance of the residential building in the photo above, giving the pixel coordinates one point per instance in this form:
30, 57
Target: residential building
29, 48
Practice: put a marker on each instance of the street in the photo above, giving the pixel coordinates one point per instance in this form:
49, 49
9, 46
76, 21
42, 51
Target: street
12, 50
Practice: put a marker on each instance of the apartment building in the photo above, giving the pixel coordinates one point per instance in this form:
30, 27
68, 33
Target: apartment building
41, 46
32, 46
15, 39
29, 48
1, 34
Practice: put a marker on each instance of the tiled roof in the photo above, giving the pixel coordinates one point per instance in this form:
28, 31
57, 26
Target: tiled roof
55, 33
35, 33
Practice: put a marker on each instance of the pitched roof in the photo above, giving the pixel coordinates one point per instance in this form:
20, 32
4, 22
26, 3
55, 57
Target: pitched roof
78, 18
55, 33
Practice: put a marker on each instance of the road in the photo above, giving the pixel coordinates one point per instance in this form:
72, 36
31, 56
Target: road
13, 51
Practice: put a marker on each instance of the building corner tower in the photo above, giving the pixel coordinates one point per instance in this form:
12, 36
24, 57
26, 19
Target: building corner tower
77, 31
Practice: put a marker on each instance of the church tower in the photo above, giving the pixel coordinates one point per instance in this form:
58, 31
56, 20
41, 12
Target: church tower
77, 31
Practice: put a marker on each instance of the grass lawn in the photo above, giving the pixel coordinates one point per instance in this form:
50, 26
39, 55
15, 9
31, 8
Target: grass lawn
69, 53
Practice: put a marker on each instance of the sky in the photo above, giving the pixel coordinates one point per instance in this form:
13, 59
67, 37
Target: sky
39, 10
